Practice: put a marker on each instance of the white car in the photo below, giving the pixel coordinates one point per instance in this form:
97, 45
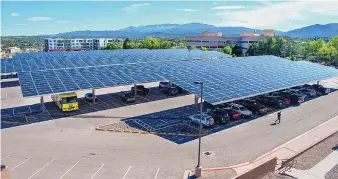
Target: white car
206, 121
244, 112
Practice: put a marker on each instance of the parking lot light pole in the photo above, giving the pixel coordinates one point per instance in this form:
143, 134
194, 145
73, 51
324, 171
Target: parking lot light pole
198, 168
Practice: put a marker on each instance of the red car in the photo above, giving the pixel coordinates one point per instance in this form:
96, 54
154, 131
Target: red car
232, 114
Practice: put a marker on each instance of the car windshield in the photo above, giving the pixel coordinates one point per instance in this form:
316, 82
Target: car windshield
69, 100
89, 94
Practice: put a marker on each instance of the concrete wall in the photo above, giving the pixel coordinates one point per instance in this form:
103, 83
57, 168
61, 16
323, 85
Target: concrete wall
266, 167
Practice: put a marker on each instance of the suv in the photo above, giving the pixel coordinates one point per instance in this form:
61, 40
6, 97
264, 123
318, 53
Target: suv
220, 116
232, 114
254, 106
293, 97
244, 112
163, 84
171, 91
206, 121
140, 90
273, 101
321, 89
127, 96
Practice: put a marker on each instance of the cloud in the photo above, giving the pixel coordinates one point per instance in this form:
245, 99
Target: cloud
63, 21
291, 14
14, 14
187, 10
135, 7
227, 7
21, 24
39, 19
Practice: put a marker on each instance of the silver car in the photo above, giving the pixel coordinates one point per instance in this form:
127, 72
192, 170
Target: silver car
244, 112
206, 121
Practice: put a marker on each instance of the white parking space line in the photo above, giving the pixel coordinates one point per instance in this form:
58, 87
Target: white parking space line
126, 173
97, 171
40, 169
157, 173
5, 157
20, 164
69, 169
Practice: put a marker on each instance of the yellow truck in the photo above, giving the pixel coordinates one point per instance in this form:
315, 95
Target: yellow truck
66, 101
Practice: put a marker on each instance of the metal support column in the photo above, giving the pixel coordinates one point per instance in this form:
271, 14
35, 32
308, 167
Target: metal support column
42, 104
93, 91
135, 90
196, 103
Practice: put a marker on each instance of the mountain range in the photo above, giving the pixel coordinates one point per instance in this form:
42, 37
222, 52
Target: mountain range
181, 30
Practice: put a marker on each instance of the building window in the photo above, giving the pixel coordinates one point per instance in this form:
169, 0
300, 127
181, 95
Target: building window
252, 42
213, 46
190, 41
197, 41
205, 41
241, 42
213, 41
198, 46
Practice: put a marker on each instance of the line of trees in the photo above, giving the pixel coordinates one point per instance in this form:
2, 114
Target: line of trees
326, 52
147, 43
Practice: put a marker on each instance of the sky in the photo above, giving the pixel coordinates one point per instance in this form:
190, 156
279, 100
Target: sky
48, 17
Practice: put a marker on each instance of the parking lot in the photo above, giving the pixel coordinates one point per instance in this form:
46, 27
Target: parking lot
76, 150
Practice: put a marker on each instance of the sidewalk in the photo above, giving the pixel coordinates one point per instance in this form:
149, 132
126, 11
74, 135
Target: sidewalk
319, 170
285, 151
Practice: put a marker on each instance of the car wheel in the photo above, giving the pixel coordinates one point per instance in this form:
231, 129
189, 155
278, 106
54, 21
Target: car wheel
242, 116
217, 122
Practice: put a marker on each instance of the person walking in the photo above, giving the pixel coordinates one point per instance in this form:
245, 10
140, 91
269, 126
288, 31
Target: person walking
278, 117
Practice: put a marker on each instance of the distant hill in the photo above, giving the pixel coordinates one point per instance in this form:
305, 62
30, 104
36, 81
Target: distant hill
317, 30
181, 30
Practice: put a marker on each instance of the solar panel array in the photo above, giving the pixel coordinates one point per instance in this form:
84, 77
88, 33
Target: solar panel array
58, 60
224, 80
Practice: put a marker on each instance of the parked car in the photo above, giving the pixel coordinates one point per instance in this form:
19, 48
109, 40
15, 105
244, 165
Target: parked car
140, 90
254, 106
163, 84
301, 96
309, 92
294, 98
206, 121
220, 116
127, 96
90, 97
321, 89
272, 101
244, 112
171, 91
232, 114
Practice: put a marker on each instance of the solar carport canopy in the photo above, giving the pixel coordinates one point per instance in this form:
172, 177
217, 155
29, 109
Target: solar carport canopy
72, 59
224, 79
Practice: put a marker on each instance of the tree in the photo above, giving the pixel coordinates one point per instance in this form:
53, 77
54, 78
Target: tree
164, 44
204, 49
334, 42
313, 47
112, 46
227, 49
11, 44
128, 44
193, 47
327, 53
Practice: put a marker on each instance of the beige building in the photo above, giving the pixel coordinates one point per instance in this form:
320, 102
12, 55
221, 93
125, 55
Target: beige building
213, 40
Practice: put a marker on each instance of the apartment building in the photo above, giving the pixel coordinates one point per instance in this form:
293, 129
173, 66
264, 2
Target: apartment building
60, 44
213, 40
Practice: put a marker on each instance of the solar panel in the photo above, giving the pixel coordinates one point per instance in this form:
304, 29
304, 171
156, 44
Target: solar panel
224, 80
71, 59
